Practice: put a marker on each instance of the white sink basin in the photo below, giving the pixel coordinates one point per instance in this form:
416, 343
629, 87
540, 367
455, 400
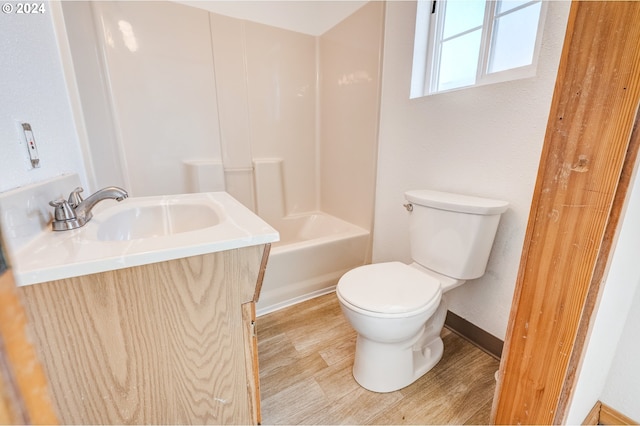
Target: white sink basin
133, 232
134, 221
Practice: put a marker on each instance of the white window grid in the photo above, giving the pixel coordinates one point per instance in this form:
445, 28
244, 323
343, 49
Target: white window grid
429, 29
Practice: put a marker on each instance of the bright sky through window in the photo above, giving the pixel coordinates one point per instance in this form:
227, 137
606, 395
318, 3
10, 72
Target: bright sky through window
461, 43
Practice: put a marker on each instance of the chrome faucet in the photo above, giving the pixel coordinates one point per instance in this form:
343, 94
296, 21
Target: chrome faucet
76, 212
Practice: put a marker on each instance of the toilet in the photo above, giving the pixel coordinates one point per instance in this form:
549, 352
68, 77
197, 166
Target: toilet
398, 310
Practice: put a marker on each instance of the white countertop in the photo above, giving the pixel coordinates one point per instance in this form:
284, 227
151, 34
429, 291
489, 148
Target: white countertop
63, 254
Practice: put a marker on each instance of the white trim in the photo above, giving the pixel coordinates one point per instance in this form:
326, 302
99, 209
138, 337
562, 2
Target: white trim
73, 92
428, 41
421, 57
294, 301
99, 28
488, 42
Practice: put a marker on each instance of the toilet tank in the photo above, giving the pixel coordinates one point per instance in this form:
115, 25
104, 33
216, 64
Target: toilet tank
452, 234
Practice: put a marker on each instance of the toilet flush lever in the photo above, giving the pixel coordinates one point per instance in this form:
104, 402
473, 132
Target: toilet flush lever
408, 206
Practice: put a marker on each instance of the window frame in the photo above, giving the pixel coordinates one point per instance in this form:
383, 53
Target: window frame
428, 38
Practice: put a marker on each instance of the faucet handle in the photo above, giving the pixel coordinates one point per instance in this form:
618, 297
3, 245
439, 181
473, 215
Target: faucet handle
63, 210
75, 198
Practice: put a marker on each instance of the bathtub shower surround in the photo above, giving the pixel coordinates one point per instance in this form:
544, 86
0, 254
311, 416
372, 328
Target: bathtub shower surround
311, 144
285, 120
233, 91
314, 250
154, 120
308, 102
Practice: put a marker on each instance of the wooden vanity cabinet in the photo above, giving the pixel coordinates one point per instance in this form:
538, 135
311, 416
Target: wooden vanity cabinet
164, 343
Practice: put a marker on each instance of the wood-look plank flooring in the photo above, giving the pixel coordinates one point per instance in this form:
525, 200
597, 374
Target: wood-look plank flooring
306, 352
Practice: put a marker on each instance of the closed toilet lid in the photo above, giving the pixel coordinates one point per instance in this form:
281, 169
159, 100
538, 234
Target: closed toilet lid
390, 287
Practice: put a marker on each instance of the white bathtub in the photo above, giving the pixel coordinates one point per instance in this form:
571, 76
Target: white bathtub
314, 251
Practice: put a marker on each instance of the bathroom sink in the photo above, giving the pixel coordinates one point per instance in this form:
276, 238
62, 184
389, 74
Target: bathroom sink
133, 221
135, 231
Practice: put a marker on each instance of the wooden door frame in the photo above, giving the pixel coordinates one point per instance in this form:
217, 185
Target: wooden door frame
24, 393
589, 155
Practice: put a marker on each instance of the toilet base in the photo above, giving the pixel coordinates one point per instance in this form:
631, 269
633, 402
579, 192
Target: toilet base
387, 367
398, 370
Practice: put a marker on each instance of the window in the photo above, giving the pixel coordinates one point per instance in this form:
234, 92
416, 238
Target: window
461, 43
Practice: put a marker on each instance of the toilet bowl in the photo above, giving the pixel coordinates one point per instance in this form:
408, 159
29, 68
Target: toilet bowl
398, 309
398, 329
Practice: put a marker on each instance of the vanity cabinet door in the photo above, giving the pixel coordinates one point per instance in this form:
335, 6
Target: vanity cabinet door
164, 343
251, 358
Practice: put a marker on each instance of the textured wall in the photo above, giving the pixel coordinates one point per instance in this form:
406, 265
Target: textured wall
609, 370
622, 388
482, 141
32, 89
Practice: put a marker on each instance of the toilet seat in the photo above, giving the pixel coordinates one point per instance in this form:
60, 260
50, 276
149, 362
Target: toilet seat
389, 288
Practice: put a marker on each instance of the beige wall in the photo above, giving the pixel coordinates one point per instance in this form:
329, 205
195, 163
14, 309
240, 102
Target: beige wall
137, 65
232, 90
483, 141
350, 64
324, 131
281, 70
33, 88
266, 83
609, 370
